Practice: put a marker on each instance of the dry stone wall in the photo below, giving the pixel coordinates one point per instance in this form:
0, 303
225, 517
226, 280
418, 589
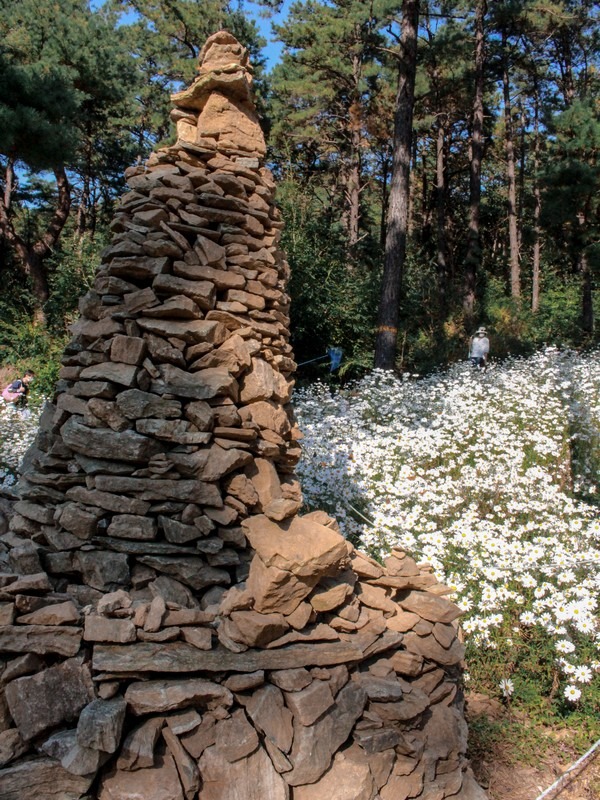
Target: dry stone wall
171, 627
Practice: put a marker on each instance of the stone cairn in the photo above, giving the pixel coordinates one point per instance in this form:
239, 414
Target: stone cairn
171, 627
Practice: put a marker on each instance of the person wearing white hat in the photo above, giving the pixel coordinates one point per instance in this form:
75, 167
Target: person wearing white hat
479, 348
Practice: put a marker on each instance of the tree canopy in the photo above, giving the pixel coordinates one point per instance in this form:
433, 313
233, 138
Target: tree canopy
499, 147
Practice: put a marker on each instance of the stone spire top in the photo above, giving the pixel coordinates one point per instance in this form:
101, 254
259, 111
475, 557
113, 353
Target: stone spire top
217, 111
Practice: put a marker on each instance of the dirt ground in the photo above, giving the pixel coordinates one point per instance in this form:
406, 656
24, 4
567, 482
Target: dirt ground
505, 778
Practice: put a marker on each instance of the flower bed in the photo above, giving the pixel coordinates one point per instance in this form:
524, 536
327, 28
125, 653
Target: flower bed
490, 477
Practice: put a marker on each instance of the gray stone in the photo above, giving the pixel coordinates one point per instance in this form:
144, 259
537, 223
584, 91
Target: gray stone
99, 442
102, 570
135, 404
101, 723
154, 489
191, 571
196, 386
132, 526
53, 696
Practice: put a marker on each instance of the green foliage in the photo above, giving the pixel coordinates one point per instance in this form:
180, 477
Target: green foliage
332, 305
24, 345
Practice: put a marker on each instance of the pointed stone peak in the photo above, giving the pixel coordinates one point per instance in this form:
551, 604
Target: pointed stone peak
217, 111
221, 51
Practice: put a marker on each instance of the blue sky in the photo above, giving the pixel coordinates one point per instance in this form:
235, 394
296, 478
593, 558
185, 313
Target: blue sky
273, 49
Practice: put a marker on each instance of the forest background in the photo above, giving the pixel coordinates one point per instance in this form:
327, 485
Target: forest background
437, 164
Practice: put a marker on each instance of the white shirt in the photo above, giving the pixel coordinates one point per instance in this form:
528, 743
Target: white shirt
480, 347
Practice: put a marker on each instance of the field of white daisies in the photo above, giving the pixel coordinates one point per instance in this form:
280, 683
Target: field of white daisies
493, 478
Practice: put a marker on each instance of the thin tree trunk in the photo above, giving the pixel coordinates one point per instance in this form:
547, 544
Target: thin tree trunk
395, 244
537, 208
509, 148
587, 304
473, 256
440, 200
30, 258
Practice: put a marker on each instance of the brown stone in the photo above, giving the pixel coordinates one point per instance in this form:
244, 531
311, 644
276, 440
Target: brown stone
123, 374
198, 637
315, 745
376, 597
405, 663
254, 778
41, 639
128, 349
331, 598
403, 787
259, 629
365, 566
276, 589
308, 704
267, 711
39, 778
148, 697
45, 700
429, 648
204, 736
403, 621
348, 778
164, 489
196, 385
268, 415
301, 547
57, 614
191, 571
11, 746
160, 782
102, 629
235, 737
186, 766
181, 657
138, 748
291, 680
135, 404
428, 606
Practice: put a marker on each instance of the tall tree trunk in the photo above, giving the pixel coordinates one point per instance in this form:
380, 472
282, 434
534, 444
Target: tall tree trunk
537, 207
395, 243
473, 256
30, 258
583, 264
509, 148
440, 202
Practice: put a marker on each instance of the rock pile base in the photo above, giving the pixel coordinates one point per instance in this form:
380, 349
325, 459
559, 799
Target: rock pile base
170, 627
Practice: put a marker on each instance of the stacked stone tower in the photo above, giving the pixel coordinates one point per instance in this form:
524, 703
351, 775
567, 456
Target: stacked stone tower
171, 627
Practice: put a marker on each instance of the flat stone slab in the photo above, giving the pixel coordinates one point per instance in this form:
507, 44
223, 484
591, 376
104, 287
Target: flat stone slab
181, 657
63, 640
41, 779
